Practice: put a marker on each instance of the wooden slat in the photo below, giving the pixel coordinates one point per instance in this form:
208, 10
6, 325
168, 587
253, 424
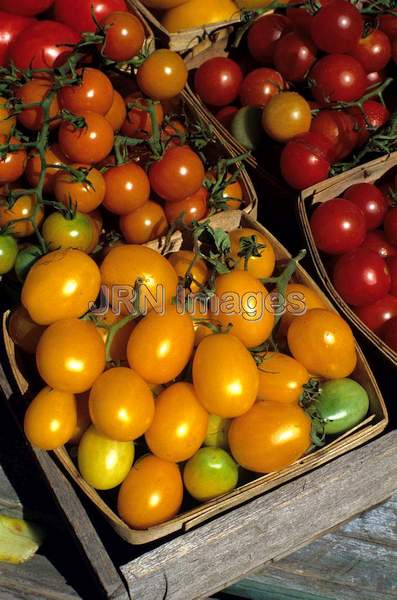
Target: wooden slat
220, 552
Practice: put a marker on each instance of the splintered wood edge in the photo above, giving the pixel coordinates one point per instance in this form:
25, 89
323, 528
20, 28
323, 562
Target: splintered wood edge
220, 552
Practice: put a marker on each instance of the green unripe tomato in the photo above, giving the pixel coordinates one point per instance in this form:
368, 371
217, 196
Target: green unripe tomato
25, 260
63, 232
343, 403
8, 253
211, 472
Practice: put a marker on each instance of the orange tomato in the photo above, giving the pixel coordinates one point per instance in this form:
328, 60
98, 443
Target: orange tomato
61, 284
299, 299
89, 144
258, 266
323, 342
83, 418
94, 93
145, 223
196, 13
181, 262
23, 331
270, 436
118, 348
6, 121
179, 425
126, 264
70, 355
151, 494
121, 404
243, 304
85, 196
285, 115
124, 36
138, 122
53, 156
225, 376
117, 113
50, 419
23, 208
13, 163
31, 92
127, 188
281, 378
192, 208
161, 344
232, 194
163, 75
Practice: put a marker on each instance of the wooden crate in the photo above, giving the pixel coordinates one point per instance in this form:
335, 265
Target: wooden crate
334, 188
374, 424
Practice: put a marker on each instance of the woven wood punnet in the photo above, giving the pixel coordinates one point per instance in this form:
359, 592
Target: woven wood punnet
334, 188
373, 425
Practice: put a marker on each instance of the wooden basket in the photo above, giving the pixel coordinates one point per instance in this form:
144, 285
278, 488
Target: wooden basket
373, 425
334, 188
186, 40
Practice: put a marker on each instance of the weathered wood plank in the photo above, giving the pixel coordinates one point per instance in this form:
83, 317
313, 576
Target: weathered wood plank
205, 560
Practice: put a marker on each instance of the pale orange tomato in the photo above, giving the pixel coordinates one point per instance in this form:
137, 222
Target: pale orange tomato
258, 266
117, 113
299, 299
281, 378
145, 223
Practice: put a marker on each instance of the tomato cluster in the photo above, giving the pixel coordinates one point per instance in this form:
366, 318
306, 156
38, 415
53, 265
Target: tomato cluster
360, 232
308, 78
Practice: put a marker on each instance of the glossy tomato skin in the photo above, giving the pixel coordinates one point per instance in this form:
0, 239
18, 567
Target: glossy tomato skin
70, 355
294, 55
361, 277
94, 92
26, 8
270, 436
218, 81
163, 75
225, 376
306, 160
8, 253
90, 144
12, 164
285, 116
370, 200
193, 207
343, 403
390, 334
104, 463
53, 156
179, 425
378, 314
146, 223
300, 298
323, 343
161, 344
339, 127
23, 208
117, 113
338, 226
86, 195
10, 26
375, 115
337, 78
259, 86
80, 18
211, 472
151, 494
281, 378
193, 13
138, 122
42, 45
390, 225
50, 419
26, 258
377, 242
61, 284
7, 121
373, 51
127, 188
31, 92
337, 27
124, 36
62, 232
177, 175
264, 34
182, 261
121, 404
258, 266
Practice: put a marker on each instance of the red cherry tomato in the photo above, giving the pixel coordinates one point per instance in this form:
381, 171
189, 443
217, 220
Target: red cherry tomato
371, 201
177, 175
390, 226
390, 334
338, 127
388, 24
294, 55
78, 16
361, 277
305, 160
375, 78
42, 45
218, 80
264, 34
377, 315
26, 8
300, 17
10, 27
259, 86
375, 115
377, 242
392, 266
124, 38
337, 26
338, 226
373, 51
337, 78
226, 114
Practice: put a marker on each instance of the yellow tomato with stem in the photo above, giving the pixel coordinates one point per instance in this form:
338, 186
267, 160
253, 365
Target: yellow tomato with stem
196, 13
179, 425
262, 260
25, 207
182, 260
281, 378
299, 298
